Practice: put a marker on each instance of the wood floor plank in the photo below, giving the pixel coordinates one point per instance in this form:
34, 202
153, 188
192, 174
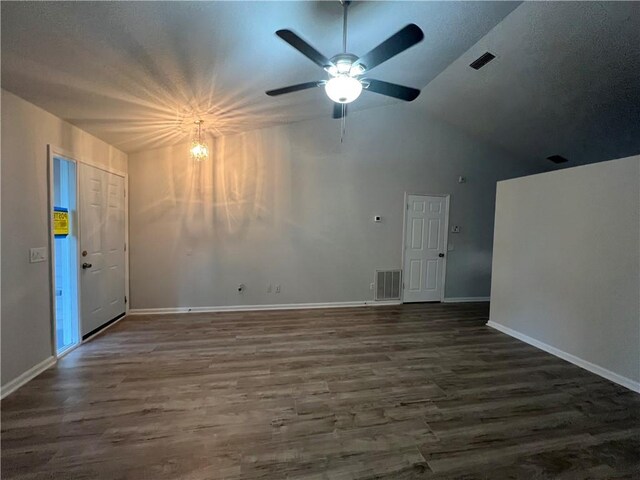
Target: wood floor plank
419, 391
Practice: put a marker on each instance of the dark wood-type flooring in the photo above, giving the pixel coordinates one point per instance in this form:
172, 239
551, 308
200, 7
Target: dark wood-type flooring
406, 392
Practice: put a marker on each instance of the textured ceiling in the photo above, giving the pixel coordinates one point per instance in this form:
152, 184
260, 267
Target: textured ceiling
566, 80
137, 73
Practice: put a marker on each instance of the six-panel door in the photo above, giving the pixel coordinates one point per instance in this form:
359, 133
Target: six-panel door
424, 248
102, 246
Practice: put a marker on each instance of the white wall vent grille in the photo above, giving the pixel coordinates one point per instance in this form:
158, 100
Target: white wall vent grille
387, 285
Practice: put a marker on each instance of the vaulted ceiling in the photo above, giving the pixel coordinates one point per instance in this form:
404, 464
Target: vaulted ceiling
137, 73
565, 80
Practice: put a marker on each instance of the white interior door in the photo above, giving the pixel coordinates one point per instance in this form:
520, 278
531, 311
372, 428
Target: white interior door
102, 247
425, 249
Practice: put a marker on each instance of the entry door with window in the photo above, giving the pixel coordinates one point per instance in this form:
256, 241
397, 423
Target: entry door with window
425, 249
102, 247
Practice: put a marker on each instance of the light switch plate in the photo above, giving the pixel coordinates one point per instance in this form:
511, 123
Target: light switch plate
38, 254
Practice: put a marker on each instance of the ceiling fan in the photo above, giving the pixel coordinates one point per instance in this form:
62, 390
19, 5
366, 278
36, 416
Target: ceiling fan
345, 70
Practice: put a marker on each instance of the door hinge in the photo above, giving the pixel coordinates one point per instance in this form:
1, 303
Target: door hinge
125, 299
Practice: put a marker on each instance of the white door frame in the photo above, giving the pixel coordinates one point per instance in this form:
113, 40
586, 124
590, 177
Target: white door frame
447, 198
52, 152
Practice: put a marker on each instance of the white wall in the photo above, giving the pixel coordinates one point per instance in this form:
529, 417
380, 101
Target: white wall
291, 205
25, 324
566, 265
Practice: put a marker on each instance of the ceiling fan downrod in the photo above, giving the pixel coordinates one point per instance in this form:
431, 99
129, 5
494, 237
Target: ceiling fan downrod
345, 5
343, 116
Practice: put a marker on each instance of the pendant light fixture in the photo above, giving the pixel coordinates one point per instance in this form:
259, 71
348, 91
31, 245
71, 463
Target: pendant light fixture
199, 150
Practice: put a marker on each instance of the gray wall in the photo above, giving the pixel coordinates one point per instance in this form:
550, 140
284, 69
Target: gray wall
291, 205
566, 262
26, 317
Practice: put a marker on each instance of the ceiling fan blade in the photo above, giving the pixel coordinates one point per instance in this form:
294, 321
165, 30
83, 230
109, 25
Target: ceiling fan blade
407, 94
292, 88
303, 47
339, 110
396, 43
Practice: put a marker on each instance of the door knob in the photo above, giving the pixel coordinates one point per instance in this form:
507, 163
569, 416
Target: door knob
86, 265
441, 255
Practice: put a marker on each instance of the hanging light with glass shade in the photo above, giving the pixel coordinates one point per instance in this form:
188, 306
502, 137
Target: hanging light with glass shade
199, 150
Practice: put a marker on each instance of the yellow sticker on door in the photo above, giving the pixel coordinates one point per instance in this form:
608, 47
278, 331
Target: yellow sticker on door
60, 222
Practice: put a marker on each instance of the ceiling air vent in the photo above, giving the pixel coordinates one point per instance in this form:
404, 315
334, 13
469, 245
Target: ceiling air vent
557, 159
482, 60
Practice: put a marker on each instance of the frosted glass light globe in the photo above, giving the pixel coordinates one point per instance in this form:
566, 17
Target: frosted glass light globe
343, 89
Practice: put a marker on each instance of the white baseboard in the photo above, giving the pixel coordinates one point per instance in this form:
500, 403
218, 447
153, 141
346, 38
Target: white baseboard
251, 308
466, 299
592, 367
30, 374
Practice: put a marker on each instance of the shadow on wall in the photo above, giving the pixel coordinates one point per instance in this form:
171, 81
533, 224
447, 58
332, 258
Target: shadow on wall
84, 145
247, 178
218, 198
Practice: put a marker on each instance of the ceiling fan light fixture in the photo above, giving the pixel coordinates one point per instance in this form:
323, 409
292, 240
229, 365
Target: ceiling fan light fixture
343, 67
345, 70
356, 70
343, 88
332, 70
345, 64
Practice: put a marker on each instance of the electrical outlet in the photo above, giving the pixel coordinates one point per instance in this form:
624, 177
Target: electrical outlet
455, 229
371, 286
37, 254
277, 288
